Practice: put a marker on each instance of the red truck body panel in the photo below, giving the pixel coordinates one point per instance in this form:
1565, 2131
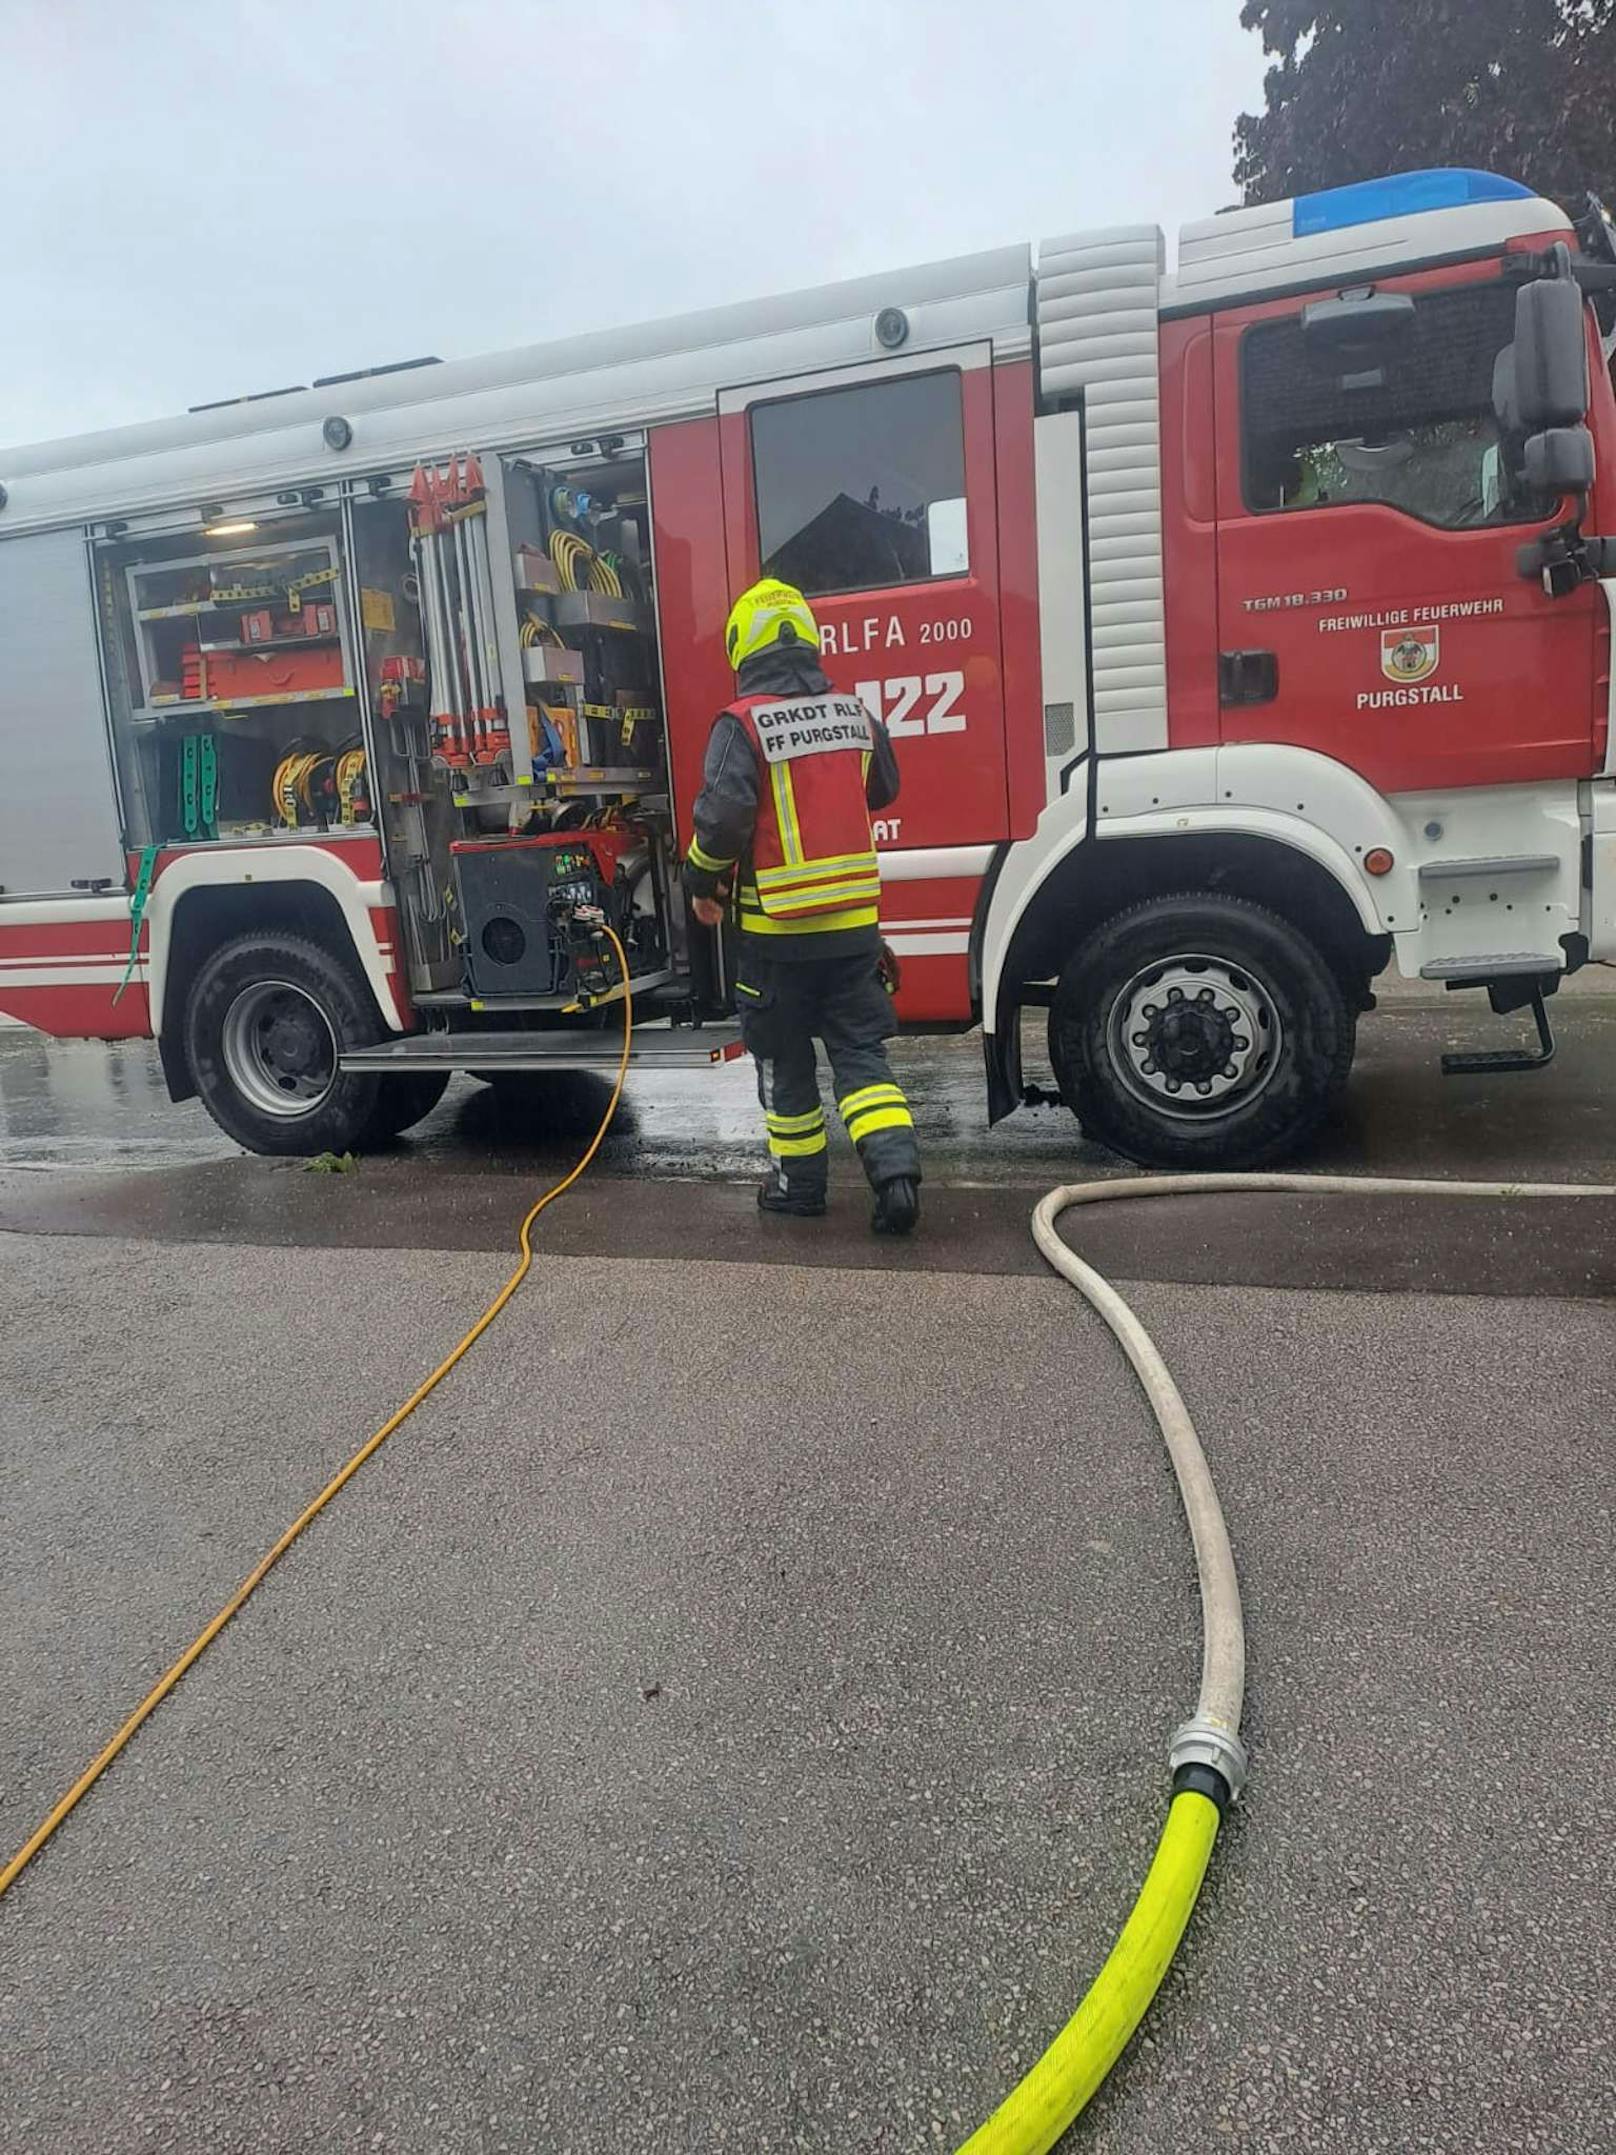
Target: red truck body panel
1335, 593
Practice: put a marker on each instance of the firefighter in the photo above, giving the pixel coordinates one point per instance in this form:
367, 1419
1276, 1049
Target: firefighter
782, 831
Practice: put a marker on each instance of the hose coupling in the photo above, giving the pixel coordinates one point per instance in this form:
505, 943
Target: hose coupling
1202, 1742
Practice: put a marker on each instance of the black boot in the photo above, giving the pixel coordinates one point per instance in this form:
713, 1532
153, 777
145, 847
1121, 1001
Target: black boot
797, 1204
897, 1207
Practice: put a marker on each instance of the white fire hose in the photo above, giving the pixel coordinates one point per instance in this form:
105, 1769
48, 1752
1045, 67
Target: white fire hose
1207, 1759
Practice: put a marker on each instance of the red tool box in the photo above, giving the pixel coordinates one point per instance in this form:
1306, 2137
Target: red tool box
290, 672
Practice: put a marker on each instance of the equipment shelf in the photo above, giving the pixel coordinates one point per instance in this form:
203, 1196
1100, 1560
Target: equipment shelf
188, 607
270, 643
304, 563
576, 779
154, 714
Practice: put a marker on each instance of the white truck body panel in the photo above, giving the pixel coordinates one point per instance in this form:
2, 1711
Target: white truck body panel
59, 820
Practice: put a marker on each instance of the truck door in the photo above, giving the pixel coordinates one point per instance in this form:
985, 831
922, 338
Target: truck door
872, 489
58, 807
1370, 604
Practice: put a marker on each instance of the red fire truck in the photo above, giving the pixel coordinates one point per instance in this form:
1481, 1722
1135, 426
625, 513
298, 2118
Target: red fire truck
1243, 629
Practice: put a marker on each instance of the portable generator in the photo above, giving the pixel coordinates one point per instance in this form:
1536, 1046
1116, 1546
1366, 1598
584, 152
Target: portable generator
520, 902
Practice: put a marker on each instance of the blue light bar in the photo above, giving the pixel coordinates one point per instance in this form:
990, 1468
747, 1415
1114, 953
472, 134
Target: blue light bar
1400, 194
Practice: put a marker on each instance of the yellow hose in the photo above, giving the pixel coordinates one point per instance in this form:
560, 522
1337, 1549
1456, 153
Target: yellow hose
1035, 2113
261, 1570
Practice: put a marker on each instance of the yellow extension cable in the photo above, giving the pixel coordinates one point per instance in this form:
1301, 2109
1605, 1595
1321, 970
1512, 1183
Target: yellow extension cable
572, 554
261, 1570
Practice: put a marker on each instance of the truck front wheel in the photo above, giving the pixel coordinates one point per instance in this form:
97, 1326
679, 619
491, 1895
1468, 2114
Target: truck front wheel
266, 1022
1200, 1031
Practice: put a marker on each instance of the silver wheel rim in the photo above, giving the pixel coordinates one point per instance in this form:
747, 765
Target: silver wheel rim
1194, 1036
279, 1050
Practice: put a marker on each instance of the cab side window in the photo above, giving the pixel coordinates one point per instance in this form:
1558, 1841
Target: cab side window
1418, 434
864, 486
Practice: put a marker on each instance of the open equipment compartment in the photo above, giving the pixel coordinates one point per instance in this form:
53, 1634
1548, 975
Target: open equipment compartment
235, 699
530, 576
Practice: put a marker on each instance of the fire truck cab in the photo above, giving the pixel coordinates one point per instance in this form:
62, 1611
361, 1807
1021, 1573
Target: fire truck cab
1243, 629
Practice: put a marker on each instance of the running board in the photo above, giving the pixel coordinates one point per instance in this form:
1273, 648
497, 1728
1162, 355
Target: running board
1491, 1061
1476, 972
655, 1047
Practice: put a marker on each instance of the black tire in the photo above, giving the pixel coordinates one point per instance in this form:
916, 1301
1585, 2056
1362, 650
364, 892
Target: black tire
1135, 1039
404, 1101
260, 1007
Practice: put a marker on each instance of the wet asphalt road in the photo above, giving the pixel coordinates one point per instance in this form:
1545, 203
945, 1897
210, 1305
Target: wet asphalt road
732, 1714
75, 1118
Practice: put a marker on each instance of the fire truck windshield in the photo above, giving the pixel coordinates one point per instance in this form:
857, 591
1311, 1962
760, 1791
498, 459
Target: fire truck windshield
1423, 438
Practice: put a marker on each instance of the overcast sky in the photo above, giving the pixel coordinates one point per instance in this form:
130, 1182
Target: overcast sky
207, 197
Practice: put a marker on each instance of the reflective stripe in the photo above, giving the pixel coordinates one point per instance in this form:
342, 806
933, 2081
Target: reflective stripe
834, 864
818, 885
709, 863
878, 1118
827, 897
798, 1148
871, 1096
796, 1125
823, 897
785, 809
756, 922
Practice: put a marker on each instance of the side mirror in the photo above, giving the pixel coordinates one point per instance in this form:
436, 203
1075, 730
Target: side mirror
1550, 355
1355, 334
1560, 460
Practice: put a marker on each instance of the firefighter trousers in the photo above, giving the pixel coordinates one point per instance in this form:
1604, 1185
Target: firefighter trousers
784, 1005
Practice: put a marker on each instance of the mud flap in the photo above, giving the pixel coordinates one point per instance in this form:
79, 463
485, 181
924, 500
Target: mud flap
1001, 1055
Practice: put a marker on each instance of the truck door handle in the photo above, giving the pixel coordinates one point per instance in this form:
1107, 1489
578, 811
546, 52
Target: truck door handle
1248, 676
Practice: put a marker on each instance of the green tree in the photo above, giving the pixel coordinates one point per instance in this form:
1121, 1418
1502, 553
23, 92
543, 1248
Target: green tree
1361, 87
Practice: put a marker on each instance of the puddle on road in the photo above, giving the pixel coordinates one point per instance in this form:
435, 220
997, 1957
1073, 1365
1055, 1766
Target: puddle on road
89, 1104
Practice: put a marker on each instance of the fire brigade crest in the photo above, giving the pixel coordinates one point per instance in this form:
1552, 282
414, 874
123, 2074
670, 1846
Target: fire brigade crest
1410, 654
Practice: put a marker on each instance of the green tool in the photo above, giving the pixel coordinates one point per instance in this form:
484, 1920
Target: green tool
199, 786
208, 779
137, 913
190, 812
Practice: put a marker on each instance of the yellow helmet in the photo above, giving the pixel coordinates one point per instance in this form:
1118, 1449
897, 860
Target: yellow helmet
770, 613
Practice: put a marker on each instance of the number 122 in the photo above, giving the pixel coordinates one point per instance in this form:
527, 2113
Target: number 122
895, 701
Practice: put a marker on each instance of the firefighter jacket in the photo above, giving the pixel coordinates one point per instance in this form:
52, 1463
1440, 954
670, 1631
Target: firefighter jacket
792, 773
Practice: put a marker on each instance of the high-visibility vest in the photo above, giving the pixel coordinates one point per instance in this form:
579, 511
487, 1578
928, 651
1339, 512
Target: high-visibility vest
813, 866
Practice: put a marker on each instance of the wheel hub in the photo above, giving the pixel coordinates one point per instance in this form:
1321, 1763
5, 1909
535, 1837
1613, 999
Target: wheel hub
1189, 1039
279, 1048
1194, 1035
291, 1043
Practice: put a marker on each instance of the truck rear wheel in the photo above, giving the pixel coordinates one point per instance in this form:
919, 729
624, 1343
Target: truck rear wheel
267, 1020
1200, 1031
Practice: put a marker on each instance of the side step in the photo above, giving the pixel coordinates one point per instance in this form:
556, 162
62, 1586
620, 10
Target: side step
1478, 971
1491, 1061
657, 1046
